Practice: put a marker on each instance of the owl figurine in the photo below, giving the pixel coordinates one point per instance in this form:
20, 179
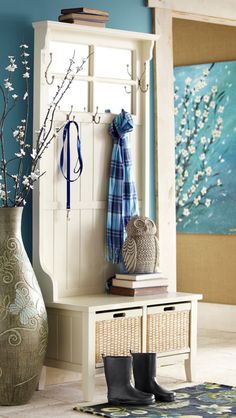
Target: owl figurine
141, 248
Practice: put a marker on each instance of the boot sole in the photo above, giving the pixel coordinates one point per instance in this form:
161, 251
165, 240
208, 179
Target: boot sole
162, 399
137, 403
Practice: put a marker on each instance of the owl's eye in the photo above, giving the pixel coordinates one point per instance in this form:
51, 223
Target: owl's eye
139, 224
150, 224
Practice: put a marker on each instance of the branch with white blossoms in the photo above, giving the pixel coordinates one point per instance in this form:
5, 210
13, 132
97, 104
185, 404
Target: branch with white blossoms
46, 133
20, 133
199, 124
8, 103
26, 156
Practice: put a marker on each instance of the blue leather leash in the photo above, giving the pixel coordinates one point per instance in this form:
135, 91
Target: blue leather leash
79, 163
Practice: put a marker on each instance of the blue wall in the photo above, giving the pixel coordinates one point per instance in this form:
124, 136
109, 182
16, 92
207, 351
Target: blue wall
16, 27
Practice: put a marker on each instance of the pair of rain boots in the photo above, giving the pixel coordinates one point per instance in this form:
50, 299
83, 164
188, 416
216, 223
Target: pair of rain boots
118, 372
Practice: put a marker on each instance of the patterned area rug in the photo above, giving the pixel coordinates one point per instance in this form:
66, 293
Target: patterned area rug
206, 400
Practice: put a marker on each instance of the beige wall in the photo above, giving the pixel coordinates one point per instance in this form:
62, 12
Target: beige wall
205, 263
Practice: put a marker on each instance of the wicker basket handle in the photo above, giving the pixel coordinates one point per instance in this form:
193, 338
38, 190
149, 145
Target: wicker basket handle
169, 308
119, 315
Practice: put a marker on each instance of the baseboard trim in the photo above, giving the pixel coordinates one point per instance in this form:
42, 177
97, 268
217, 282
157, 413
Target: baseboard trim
217, 316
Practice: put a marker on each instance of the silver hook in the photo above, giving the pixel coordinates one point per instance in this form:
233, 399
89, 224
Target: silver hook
46, 72
94, 117
140, 81
126, 91
129, 73
69, 114
127, 67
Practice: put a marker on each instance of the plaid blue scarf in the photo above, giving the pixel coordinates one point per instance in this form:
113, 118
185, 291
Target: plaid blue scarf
122, 197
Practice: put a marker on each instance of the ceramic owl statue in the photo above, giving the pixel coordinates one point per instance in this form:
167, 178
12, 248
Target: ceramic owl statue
141, 248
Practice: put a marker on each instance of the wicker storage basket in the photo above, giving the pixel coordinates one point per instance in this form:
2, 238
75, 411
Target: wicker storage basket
168, 328
117, 333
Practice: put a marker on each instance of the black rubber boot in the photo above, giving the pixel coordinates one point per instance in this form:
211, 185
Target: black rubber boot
120, 388
144, 367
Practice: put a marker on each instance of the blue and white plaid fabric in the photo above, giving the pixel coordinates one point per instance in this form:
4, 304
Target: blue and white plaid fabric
122, 197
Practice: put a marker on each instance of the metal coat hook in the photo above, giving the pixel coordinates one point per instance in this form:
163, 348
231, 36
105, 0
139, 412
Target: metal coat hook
140, 81
97, 121
69, 114
129, 73
127, 67
126, 91
46, 72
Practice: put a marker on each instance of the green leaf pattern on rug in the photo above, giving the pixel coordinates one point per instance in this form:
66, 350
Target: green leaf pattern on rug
206, 400
215, 409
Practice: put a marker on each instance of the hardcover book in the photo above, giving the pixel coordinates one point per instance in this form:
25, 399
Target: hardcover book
135, 284
89, 17
123, 291
84, 22
85, 10
145, 276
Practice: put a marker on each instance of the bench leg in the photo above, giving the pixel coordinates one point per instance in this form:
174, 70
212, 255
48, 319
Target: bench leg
88, 356
191, 361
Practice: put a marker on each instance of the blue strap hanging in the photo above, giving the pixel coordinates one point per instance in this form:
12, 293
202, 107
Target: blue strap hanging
79, 163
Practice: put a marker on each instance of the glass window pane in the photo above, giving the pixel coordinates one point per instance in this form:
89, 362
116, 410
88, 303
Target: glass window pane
112, 62
76, 96
112, 97
62, 52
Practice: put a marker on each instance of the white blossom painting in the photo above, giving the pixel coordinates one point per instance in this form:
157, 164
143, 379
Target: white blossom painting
205, 138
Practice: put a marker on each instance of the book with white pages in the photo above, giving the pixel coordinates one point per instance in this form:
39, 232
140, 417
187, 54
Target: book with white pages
138, 276
133, 284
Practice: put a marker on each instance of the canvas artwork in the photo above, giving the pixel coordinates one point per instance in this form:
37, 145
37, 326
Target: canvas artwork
205, 138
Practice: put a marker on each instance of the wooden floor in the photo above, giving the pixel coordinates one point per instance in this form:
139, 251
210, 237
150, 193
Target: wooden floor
215, 363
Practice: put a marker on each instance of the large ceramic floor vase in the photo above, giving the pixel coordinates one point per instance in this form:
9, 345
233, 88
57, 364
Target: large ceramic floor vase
23, 318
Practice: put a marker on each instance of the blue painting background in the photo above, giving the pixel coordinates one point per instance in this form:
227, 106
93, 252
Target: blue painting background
213, 211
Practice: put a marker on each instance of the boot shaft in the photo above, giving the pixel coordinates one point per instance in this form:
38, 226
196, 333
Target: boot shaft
144, 365
118, 370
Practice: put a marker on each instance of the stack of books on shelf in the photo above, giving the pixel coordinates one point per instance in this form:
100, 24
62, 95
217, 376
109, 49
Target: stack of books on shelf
84, 16
139, 284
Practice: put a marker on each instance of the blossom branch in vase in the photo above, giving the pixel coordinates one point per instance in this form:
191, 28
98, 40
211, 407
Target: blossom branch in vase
5, 112
27, 156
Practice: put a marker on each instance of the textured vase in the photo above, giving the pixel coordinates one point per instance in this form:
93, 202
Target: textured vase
23, 318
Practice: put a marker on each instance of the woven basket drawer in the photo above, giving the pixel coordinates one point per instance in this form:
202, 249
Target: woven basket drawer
117, 333
168, 328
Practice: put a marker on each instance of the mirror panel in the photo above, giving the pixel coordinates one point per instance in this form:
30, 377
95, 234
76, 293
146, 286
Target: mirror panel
62, 52
111, 98
76, 96
116, 61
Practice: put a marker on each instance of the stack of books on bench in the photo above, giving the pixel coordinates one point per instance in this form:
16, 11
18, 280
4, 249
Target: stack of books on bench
139, 284
84, 16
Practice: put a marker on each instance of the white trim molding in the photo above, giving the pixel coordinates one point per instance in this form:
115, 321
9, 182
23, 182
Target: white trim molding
217, 316
212, 11
204, 10
165, 150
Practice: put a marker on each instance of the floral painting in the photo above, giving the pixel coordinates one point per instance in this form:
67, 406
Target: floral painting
205, 137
